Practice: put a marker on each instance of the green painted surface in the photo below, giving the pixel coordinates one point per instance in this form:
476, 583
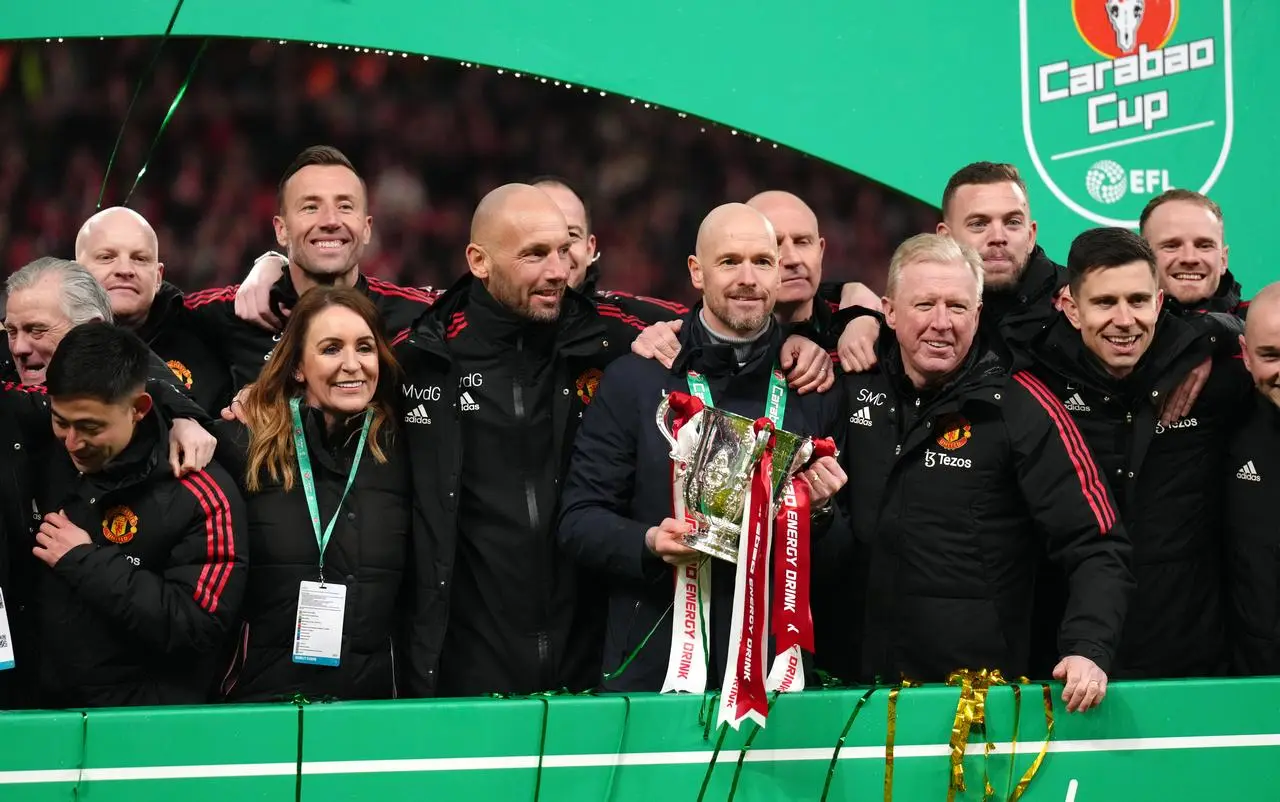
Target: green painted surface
1150, 742
51, 742
903, 93
221, 738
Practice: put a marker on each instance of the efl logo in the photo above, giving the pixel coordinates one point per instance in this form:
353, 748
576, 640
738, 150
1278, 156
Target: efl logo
1123, 99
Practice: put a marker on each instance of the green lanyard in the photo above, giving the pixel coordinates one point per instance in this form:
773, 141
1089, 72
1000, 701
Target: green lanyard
309, 482
775, 404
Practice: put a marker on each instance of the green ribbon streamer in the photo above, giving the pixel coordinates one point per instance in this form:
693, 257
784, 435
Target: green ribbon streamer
542, 745
618, 672
84, 751
300, 702
835, 755
164, 38
705, 710
742, 755
163, 123
829, 681
622, 738
711, 767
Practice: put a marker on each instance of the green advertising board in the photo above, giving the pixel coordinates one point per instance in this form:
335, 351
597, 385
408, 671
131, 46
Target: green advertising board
1100, 104
1149, 742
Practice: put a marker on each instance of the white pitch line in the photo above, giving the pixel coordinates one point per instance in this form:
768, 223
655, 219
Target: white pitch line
606, 760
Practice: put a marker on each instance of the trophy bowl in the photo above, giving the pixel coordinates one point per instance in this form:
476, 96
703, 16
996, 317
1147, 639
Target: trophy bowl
714, 452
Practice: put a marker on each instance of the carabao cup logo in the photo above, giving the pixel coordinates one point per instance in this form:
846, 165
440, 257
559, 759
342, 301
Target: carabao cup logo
1123, 99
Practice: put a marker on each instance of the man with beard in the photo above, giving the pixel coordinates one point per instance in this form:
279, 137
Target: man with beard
617, 519
496, 377
1253, 462
119, 247
324, 225
800, 249
1186, 231
956, 470
584, 270
1112, 358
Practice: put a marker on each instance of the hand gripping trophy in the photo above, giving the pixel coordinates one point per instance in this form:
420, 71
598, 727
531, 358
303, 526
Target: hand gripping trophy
735, 482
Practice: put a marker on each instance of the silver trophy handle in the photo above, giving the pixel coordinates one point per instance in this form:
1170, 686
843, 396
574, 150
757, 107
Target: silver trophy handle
664, 406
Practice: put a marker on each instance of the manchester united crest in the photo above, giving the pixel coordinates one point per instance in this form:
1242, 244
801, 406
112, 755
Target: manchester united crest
180, 370
953, 432
587, 384
120, 524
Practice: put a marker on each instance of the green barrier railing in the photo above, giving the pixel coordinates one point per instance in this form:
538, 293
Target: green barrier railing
1193, 740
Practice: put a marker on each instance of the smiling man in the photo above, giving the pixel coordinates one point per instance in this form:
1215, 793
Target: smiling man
1112, 358
958, 472
142, 573
1187, 232
324, 224
496, 378
46, 299
119, 247
617, 519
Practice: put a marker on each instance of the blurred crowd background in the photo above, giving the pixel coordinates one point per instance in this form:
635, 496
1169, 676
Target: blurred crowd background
430, 137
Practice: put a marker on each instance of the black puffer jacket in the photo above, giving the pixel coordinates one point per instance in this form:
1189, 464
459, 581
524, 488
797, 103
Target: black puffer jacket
1250, 475
950, 493
138, 616
1166, 482
368, 553
168, 330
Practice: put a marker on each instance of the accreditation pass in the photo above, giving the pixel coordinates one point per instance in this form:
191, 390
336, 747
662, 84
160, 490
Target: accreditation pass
317, 638
6, 637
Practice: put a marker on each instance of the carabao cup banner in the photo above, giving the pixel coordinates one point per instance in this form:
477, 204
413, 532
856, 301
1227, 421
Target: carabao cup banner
1102, 103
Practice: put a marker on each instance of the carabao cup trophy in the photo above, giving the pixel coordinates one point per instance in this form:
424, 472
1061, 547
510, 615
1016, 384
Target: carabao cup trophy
714, 452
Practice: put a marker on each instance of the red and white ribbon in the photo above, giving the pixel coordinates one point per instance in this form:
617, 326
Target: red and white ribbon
687, 661
742, 694
792, 620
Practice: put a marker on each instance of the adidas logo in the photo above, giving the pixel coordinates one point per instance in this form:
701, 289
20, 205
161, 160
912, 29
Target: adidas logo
1076, 404
418, 415
862, 417
468, 403
1248, 473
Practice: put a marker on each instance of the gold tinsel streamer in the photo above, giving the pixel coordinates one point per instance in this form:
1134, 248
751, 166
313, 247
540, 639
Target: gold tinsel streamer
891, 734
1044, 747
971, 712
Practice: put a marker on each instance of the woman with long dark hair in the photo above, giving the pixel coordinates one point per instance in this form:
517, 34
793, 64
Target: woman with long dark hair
329, 501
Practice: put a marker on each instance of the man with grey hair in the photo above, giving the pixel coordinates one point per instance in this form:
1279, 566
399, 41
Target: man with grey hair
46, 299
955, 468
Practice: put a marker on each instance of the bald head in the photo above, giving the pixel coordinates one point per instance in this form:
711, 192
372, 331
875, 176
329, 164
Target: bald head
119, 247
116, 217
775, 202
735, 265
520, 250
800, 250
1261, 342
729, 223
505, 206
